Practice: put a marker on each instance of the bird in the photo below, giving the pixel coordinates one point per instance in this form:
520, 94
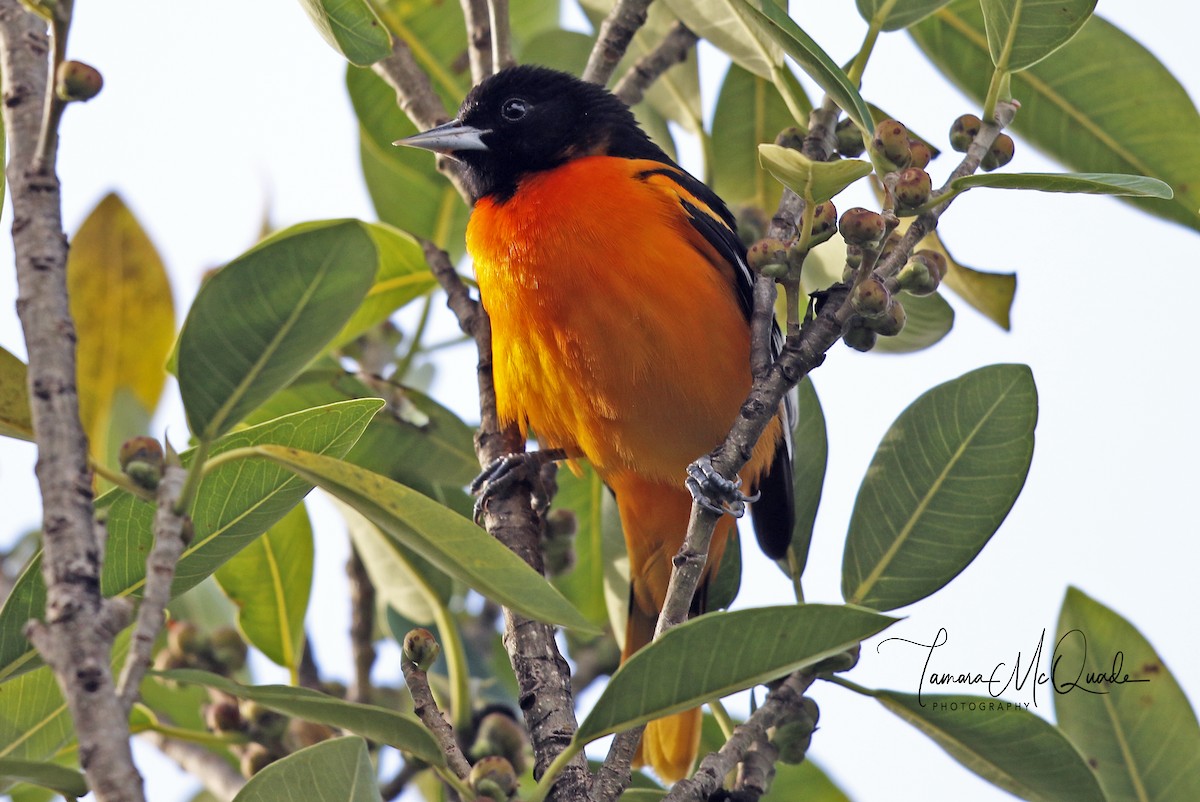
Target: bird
620, 299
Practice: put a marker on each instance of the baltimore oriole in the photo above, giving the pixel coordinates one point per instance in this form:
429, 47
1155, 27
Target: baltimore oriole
619, 299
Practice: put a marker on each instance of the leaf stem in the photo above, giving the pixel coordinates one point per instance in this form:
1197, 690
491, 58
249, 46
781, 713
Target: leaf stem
999, 85
850, 685
723, 718
456, 666
553, 770
418, 336
120, 480
196, 473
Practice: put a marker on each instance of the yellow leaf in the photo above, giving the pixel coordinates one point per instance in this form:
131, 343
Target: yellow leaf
15, 420
125, 321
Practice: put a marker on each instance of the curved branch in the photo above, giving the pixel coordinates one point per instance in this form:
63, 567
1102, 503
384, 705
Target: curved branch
672, 50
616, 32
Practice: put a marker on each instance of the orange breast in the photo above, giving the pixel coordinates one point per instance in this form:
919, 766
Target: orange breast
616, 329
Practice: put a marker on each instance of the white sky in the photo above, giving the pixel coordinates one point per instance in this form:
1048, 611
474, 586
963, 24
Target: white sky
210, 111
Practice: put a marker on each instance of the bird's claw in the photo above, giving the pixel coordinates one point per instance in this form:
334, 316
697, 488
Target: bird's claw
505, 471
714, 492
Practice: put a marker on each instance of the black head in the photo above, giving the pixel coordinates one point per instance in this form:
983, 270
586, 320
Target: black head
526, 119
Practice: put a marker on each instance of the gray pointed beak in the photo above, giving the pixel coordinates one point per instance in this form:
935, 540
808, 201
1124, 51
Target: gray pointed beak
447, 138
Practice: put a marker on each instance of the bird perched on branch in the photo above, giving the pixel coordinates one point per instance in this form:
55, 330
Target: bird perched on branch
620, 301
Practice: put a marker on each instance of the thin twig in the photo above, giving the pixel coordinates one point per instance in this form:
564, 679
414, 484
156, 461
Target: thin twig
616, 32
395, 786
498, 15
362, 627
615, 774
479, 38
427, 710
169, 543
672, 50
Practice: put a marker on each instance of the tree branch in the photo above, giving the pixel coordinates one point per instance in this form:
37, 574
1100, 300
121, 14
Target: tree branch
672, 50
427, 710
479, 38
782, 703
501, 34
616, 32
542, 674
76, 638
169, 543
418, 99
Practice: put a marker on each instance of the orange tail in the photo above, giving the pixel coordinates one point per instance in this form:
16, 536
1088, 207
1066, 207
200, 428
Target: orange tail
654, 517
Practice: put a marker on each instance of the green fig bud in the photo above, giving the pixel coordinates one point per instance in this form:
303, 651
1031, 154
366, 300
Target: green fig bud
963, 132
858, 336
792, 738
499, 734
77, 81
264, 723
494, 778
890, 144
870, 298
142, 460
933, 260
849, 139
765, 253
861, 226
999, 154
752, 224
915, 278
792, 137
420, 648
224, 716
185, 640
920, 154
913, 187
228, 649
824, 223
891, 322
842, 661
255, 758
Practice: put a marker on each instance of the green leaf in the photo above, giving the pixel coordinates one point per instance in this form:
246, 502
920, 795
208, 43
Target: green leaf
929, 319
405, 187
452, 543
1021, 33
270, 581
750, 111
351, 28
15, 418
809, 458
36, 721
124, 321
727, 26
1076, 183
721, 653
68, 782
594, 510
404, 581
725, 584
1130, 718
943, 479
1001, 742
235, 503
892, 16
256, 323
816, 182
338, 770
812, 59
402, 275
1092, 120
404, 731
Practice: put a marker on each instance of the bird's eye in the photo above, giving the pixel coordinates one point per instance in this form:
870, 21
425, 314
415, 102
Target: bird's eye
513, 109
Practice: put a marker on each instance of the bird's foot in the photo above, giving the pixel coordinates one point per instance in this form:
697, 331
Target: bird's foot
714, 492
503, 472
